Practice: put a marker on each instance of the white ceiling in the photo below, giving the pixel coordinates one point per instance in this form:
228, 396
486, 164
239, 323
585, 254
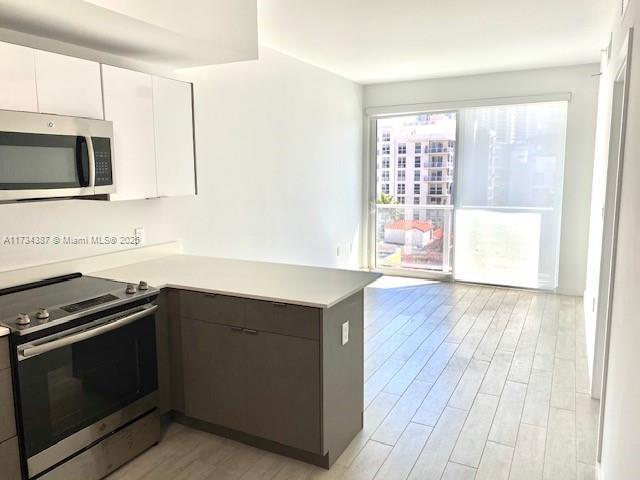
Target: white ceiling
366, 41
372, 41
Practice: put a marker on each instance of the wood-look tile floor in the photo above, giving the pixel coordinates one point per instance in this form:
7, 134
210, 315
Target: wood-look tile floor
461, 382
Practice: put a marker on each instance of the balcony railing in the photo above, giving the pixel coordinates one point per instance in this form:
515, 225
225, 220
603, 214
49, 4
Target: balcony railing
433, 164
438, 178
417, 237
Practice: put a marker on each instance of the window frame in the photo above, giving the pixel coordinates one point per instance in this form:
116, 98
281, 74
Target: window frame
372, 114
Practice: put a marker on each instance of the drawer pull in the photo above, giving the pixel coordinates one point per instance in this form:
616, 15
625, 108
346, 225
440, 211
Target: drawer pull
278, 304
210, 295
236, 329
250, 331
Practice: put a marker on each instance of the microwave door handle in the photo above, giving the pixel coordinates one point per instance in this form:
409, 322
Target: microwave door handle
92, 162
83, 161
28, 352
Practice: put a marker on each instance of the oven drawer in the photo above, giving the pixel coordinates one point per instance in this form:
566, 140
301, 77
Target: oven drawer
111, 453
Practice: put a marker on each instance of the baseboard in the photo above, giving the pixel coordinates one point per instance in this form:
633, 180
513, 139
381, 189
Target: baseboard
302, 455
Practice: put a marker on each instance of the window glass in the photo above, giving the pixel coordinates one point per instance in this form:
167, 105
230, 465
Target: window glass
510, 194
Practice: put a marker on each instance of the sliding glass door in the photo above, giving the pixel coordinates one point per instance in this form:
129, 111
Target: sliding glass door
414, 186
509, 200
502, 226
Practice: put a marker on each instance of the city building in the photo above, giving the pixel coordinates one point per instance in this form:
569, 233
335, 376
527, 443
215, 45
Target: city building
415, 160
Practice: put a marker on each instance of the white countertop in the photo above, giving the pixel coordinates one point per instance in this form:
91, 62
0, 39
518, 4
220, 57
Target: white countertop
301, 285
4, 331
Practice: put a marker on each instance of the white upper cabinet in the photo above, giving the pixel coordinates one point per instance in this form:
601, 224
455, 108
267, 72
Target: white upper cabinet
153, 148
68, 86
173, 121
17, 78
128, 103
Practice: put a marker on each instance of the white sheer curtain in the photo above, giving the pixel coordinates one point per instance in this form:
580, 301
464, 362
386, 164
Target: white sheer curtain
509, 194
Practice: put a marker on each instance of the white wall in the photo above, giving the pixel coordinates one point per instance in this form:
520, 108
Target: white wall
279, 155
279, 163
583, 85
621, 436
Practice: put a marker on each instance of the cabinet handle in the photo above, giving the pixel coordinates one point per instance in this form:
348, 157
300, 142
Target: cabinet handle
251, 331
278, 304
236, 329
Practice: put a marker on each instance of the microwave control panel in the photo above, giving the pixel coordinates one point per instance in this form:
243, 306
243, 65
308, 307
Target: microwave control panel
102, 153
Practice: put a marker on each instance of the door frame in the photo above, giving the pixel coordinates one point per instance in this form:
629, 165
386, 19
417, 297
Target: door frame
611, 214
369, 220
368, 232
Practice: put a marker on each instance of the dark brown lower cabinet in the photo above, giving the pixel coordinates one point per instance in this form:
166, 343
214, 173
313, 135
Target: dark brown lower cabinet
260, 383
9, 455
283, 389
10, 460
214, 373
274, 375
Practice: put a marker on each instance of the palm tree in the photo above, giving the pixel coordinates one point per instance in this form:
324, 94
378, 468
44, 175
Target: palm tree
391, 214
386, 199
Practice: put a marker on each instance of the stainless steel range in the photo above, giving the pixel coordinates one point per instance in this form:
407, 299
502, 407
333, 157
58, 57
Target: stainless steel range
85, 374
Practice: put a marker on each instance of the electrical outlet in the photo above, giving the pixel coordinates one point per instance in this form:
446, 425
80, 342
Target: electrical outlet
138, 233
345, 332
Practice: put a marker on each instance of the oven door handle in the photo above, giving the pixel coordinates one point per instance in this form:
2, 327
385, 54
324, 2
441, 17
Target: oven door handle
29, 352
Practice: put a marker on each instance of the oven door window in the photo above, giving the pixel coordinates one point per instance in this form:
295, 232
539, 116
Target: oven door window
35, 161
70, 388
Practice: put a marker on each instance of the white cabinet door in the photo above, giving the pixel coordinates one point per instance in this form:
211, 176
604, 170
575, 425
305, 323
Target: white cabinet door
173, 120
17, 78
68, 85
128, 103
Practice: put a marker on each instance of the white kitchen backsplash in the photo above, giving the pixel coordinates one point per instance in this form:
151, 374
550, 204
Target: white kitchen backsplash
89, 264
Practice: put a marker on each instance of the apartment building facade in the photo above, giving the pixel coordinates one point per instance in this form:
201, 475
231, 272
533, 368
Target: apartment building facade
415, 161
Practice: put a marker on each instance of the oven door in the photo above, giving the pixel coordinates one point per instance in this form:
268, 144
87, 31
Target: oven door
77, 386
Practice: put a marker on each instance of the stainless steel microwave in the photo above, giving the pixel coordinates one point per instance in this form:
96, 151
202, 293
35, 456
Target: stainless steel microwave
47, 156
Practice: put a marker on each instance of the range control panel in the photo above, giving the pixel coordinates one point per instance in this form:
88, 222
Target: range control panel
92, 302
102, 153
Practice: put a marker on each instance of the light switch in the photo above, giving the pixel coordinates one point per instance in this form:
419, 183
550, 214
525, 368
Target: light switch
345, 332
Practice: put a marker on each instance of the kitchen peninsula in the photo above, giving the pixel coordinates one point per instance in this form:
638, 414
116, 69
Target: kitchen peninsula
265, 353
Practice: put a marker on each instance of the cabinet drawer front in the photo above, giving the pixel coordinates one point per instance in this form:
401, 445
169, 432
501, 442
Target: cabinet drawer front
212, 308
10, 460
4, 353
7, 417
285, 319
